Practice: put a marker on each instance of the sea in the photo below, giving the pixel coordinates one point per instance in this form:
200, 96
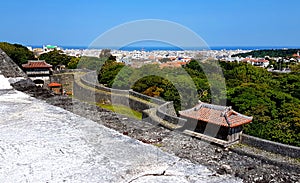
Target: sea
174, 48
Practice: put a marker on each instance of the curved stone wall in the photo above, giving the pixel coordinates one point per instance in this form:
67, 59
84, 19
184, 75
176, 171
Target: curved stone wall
86, 90
271, 146
167, 113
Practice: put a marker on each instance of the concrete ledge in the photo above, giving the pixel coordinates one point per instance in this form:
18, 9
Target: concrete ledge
4, 83
43, 143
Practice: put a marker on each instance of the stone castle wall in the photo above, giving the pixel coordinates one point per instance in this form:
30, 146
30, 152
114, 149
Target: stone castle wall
9, 68
167, 113
94, 92
271, 146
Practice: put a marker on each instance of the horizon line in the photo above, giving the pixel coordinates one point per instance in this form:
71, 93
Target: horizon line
165, 45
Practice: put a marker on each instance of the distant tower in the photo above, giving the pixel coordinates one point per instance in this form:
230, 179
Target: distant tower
298, 53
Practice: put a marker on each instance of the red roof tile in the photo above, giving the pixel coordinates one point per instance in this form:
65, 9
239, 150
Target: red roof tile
219, 115
36, 64
53, 84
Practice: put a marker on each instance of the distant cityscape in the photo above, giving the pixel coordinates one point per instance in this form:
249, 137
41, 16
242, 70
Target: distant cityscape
173, 56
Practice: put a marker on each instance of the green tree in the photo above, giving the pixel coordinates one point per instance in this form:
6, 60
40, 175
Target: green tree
91, 63
296, 68
56, 57
270, 53
271, 98
18, 53
73, 63
123, 80
109, 71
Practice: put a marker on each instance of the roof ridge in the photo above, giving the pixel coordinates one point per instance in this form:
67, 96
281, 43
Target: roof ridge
214, 106
242, 115
36, 60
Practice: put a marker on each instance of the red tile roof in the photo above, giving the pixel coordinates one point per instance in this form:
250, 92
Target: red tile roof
261, 60
172, 64
219, 115
53, 84
36, 64
254, 60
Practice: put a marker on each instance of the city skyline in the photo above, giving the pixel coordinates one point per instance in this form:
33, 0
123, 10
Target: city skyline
219, 23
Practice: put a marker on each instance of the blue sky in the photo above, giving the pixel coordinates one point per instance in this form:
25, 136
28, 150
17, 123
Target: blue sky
218, 22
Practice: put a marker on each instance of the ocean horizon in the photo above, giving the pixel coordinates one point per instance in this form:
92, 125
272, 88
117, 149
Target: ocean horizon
174, 48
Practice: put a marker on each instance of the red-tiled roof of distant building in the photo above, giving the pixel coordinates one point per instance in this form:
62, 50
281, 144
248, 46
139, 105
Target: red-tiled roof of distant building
36, 64
219, 115
54, 84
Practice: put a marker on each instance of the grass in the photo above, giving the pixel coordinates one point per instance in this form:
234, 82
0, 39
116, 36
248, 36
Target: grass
158, 145
121, 109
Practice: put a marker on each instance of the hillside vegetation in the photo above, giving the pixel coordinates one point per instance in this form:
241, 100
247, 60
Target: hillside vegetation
272, 99
18, 53
270, 53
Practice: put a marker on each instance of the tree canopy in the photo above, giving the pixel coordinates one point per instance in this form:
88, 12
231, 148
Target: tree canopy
272, 99
270, 53
18, 53
91, 63
55, 58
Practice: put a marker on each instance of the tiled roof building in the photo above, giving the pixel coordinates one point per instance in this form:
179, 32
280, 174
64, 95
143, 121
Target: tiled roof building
35, 64
227, 121
38, 70
56, 88
219, 115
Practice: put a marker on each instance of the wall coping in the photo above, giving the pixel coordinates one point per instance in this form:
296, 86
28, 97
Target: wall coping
271, 146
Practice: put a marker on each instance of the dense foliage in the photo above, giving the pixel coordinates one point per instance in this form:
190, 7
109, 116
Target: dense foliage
18, 53
109, 71
56, 57
270, 53
91, 63
272, 99
169, 84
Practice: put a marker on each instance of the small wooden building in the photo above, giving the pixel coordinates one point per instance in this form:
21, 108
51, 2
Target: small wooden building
220, 122
56, 88
38, 70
